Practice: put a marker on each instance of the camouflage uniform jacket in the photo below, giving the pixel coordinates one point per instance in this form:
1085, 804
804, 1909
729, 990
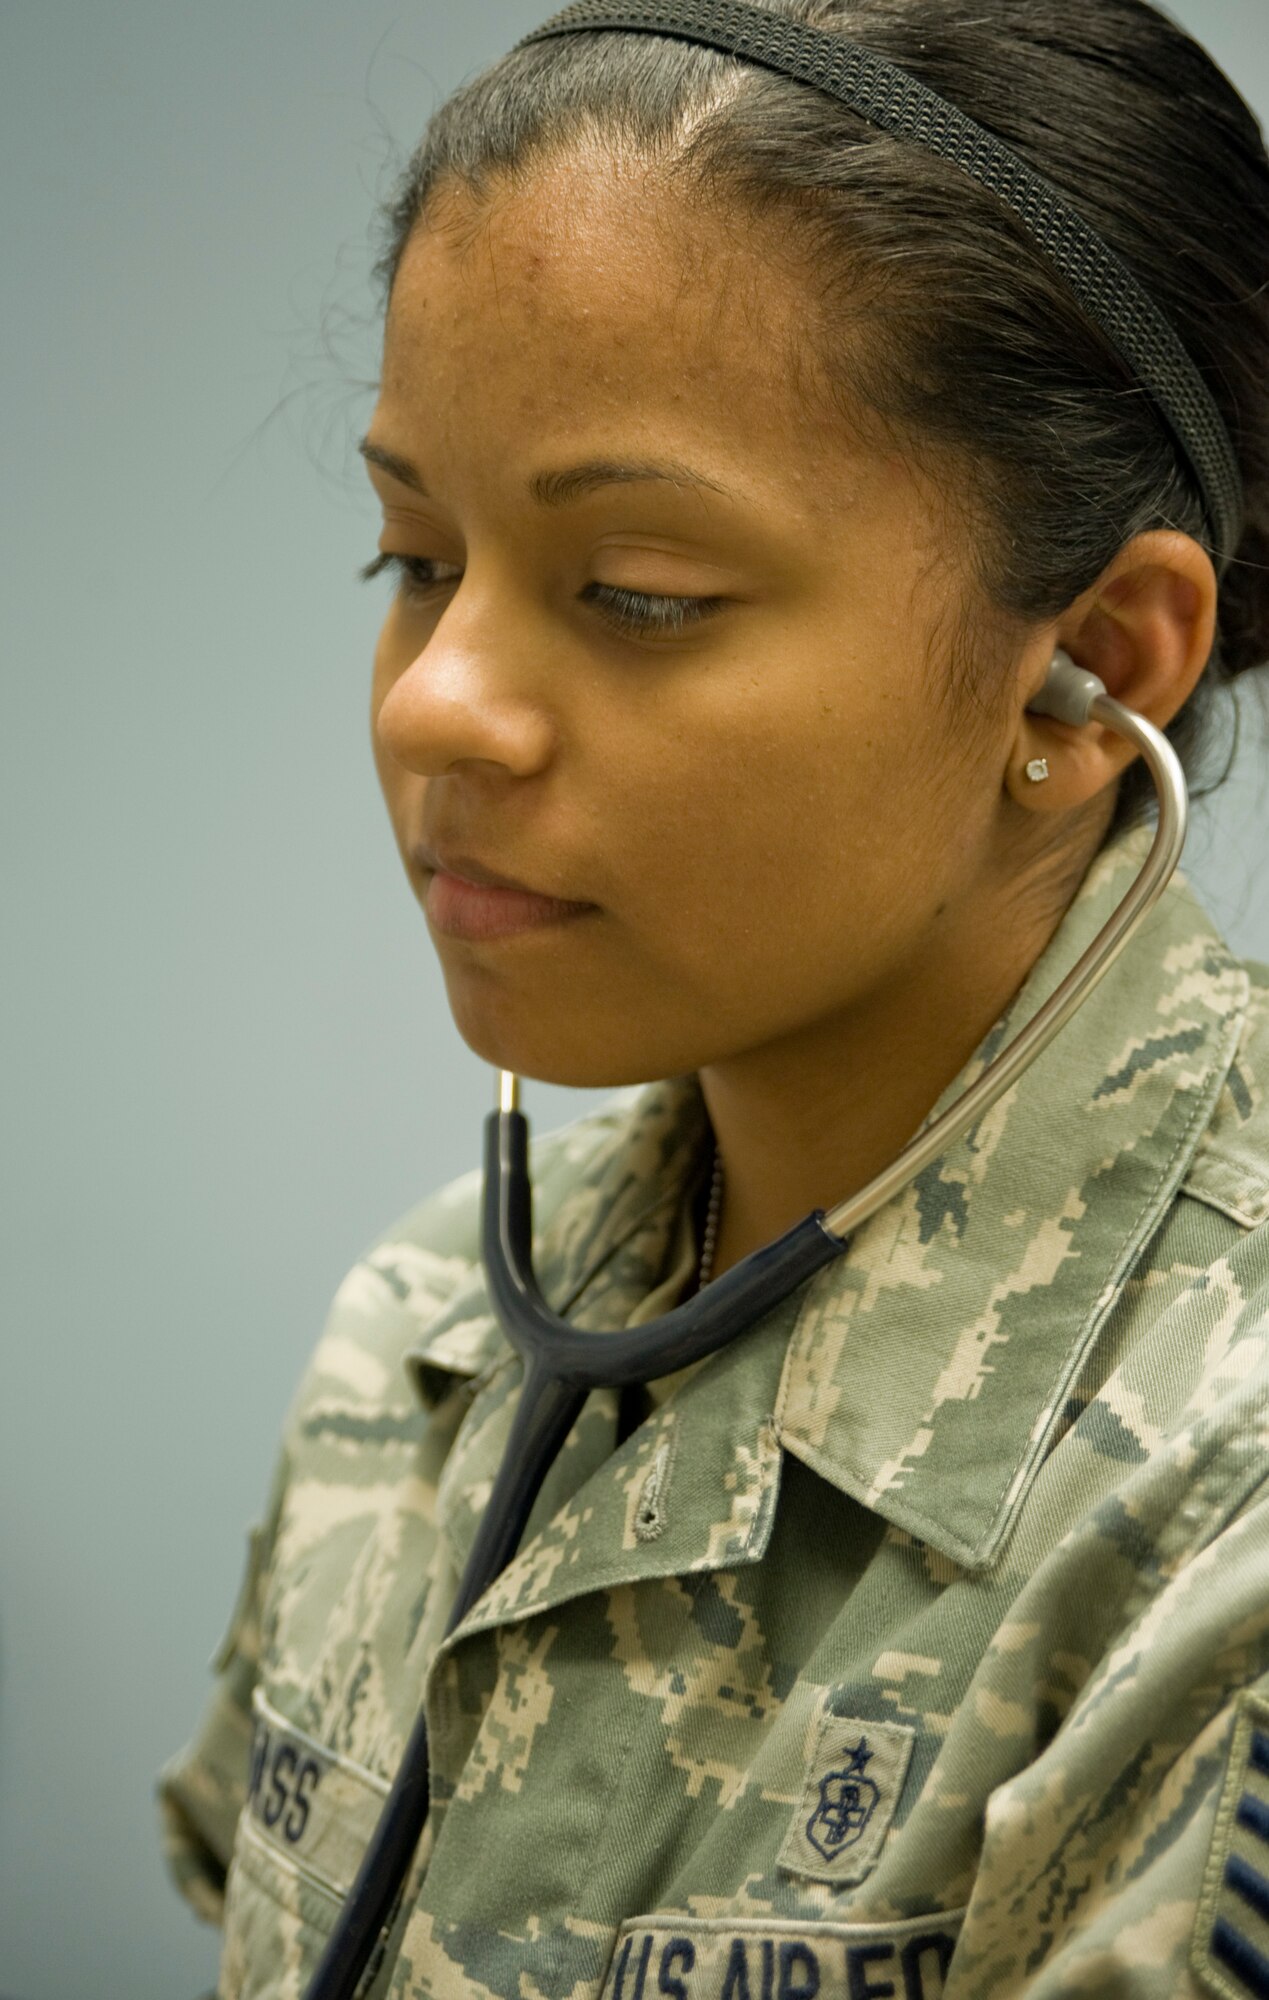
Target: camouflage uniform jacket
916, 1644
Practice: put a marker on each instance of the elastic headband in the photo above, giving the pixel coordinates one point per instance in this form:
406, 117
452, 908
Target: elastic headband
888, 97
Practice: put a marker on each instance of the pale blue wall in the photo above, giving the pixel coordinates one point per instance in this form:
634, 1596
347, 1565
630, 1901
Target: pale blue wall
228, 1057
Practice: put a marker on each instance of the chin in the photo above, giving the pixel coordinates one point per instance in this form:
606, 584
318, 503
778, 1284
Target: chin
560, 1065
550, 1051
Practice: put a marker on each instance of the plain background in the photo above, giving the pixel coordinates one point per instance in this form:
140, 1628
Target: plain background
229, 1060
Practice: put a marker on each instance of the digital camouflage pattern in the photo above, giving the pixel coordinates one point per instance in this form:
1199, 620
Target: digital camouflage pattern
915, 1645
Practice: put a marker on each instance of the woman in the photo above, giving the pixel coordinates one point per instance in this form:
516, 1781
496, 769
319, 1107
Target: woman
745, 467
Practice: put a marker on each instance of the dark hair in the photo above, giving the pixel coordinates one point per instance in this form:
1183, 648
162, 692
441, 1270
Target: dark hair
986, 351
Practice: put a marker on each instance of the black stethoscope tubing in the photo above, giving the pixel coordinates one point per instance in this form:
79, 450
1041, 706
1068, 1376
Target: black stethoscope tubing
563, 1363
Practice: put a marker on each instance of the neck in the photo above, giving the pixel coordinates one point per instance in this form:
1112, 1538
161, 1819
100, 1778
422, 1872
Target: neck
806, 1122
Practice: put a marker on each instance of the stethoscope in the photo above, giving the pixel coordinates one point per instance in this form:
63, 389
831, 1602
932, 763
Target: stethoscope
562, 1364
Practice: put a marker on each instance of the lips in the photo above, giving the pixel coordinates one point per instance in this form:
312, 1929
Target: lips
441, 861
466, 899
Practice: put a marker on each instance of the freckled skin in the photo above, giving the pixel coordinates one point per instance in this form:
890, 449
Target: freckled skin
821, 870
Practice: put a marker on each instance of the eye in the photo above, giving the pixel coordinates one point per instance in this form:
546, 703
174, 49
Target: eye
631, 610
418, 576
638, 612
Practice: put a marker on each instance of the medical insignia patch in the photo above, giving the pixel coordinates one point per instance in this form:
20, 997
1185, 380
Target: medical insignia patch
1230, 1947
854, 1778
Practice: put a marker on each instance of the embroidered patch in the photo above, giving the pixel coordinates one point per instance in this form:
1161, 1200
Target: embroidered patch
1229, 1951
772, 1958
854, 1778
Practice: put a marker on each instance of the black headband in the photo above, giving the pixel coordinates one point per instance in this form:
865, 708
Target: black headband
889, 97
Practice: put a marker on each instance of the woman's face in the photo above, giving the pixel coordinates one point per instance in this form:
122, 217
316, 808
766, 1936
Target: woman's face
775, 807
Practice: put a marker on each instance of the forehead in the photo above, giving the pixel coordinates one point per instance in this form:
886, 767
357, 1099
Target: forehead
591, 295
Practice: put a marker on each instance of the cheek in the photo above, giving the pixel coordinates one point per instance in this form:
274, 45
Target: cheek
803, 813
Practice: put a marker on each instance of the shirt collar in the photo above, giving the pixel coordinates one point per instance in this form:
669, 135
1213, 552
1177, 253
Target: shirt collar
929, 1366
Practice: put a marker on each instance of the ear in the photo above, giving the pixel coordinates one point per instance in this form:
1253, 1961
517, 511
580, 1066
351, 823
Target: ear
1146, 629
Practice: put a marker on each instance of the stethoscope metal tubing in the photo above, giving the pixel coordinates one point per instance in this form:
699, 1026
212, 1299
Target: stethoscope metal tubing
1070, 995
563, 1363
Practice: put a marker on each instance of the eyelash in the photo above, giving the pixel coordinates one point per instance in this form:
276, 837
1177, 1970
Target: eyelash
632, 609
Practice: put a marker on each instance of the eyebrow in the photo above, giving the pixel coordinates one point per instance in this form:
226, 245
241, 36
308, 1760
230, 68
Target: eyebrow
570, 482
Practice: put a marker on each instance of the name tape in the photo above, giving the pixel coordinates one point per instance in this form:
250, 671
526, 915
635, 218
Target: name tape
316, 1807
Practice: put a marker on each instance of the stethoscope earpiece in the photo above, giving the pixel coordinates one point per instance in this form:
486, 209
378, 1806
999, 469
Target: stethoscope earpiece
1068, 693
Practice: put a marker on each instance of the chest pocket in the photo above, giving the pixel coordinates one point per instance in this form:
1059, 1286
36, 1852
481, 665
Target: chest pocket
308, 1819
755, 1958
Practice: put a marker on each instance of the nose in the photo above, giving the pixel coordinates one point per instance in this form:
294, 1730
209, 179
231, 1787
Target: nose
470, 693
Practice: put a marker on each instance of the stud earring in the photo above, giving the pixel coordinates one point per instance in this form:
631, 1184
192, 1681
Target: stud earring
1038, 770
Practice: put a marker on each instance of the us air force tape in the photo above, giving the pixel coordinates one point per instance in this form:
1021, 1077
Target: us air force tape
756, 1958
